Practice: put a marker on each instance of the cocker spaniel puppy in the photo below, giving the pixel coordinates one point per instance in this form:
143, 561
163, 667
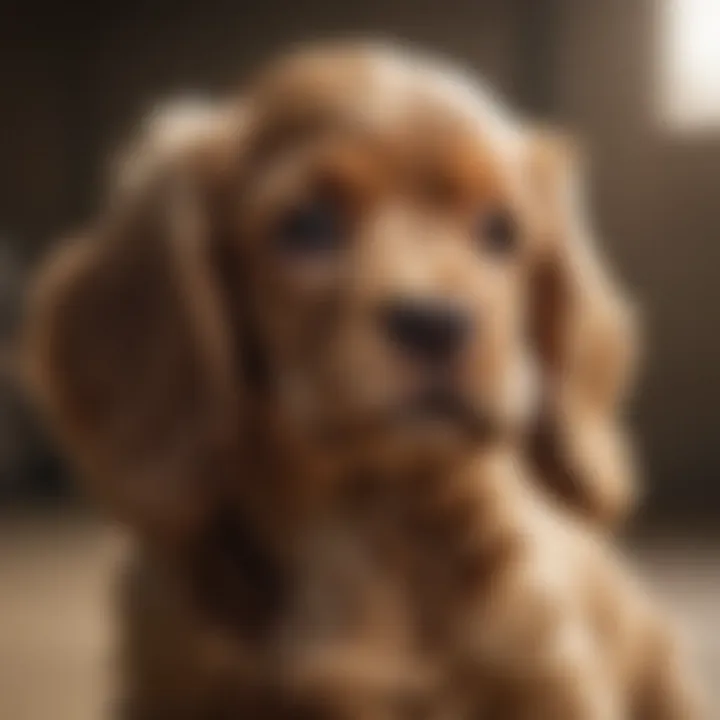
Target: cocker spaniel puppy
324, 351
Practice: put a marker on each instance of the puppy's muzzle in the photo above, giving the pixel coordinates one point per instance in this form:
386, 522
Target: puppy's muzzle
432, 331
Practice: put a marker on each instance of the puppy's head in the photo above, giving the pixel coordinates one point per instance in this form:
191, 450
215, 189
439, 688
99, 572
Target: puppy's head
368, 248
386, 232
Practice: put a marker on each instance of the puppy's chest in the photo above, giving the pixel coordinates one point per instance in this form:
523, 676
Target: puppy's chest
367, 616
382, 598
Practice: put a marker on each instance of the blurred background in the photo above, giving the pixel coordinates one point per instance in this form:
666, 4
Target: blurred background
637, 80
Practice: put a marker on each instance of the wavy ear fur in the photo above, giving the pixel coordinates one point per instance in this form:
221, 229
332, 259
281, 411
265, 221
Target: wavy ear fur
128, 345
586, 340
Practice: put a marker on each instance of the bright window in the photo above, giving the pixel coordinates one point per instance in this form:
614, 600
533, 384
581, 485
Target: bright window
691, 63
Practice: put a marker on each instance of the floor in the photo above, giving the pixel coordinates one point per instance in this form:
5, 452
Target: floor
55, 633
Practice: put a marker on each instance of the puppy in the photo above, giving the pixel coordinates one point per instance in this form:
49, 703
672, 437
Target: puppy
301, 354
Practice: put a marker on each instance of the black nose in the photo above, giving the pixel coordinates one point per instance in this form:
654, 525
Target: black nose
432, 330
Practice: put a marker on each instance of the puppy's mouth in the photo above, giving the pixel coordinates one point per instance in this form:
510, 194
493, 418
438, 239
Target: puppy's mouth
433, 412
443, 408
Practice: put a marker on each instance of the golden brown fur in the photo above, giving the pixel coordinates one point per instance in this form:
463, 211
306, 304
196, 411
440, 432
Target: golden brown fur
307, 548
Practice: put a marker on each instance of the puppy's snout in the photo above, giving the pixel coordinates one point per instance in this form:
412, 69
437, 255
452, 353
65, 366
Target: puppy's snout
427, 329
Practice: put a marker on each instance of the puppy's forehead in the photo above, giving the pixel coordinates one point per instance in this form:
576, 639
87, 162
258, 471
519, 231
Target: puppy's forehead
387, 90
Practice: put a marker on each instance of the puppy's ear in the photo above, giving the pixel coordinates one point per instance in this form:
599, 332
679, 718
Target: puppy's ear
585, 335
128, 345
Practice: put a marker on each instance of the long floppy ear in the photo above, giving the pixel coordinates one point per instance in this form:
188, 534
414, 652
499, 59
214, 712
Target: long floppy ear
585, 335
128, 347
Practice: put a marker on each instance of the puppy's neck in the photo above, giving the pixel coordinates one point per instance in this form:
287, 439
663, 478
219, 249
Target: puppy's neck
443, 519
295, 486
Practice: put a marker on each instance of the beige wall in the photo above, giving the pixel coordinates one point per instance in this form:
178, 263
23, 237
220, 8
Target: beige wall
657, 200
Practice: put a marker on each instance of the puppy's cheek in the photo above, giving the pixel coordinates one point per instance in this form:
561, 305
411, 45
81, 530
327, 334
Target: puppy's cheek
299, 397
370, 382
520, 391
366, 372
503, 379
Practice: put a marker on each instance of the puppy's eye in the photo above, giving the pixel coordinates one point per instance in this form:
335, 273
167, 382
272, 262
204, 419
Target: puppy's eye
311, 229
496, 231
